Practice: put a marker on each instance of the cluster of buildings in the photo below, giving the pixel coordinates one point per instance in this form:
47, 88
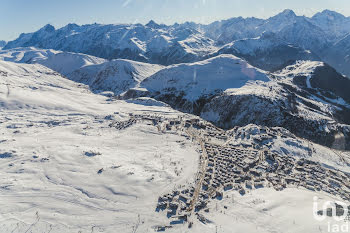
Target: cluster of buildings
120, 125
227, 166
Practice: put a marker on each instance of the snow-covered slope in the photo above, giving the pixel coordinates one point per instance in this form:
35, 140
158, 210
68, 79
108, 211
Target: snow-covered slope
334, 24
62, 62
99, 74
226, 31
64, 169
338, 55
205, 78
299, 98
117, 75
309, 98
318, 75
74, 161
278, 22
306, 35
204, 87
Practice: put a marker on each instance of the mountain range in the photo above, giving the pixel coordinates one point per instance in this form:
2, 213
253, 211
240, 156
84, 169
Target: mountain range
309, 98
260, 41
142, 128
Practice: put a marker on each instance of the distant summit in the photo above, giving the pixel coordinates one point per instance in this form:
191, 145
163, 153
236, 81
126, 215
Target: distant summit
48, 28
288, 13
330, 15
152, 24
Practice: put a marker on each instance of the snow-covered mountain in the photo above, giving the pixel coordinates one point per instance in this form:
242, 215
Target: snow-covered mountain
317, 35
226, 31
298, 30
189, 42
268, 51
297, 99
338, 55
62, 62
202, 79
335, 25
205, 87
278, 22
308, 98
306, 35
99, 74
116, 76
147, 43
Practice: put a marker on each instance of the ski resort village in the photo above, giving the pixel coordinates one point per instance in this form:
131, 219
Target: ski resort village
239, 125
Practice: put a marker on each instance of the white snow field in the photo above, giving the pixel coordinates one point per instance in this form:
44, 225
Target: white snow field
55, 138
266, 210
204, 77
62, 62
64, 169
116, 75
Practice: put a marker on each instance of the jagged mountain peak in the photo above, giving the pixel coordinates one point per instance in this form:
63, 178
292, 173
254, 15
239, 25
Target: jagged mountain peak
48, 28
152, 24
287, 13
284, 15
330, 15
71, 26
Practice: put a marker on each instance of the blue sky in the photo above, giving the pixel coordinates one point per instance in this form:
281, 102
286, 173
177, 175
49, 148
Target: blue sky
29, 15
